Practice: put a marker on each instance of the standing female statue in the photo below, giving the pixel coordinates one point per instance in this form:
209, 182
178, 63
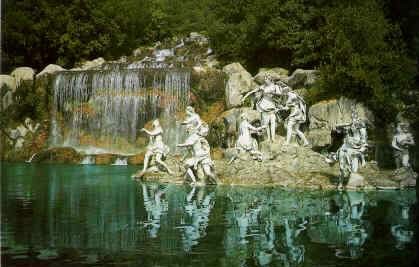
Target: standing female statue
266, 104
402, 140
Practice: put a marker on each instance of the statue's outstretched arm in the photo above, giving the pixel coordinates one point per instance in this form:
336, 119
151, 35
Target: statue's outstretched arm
249, 93
394, 144
153, 132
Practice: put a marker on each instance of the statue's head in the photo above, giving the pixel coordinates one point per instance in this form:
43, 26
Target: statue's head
243, 116
203, 129
156, 123
28, 121
403, 127
268, 78
190, 110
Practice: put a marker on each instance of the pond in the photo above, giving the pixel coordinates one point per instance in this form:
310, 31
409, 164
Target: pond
69, 215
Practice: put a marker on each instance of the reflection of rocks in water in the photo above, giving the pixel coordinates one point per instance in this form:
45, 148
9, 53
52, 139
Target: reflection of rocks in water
155, 206
198, 206
344, 226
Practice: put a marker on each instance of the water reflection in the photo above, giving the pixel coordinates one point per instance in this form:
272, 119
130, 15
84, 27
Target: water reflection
102, 216
198, 205
343, 225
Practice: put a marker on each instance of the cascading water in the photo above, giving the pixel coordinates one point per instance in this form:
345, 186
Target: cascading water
120, 162
102, 110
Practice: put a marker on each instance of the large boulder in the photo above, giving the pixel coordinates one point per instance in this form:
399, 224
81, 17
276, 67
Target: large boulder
302, 78
325, 115
92, 64
6, 100
7, 82
23, 74
239, 82
50, 69
275, 73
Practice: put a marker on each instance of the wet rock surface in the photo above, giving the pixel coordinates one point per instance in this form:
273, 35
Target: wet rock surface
288, 166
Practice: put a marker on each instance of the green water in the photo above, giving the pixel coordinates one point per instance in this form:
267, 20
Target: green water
61, 215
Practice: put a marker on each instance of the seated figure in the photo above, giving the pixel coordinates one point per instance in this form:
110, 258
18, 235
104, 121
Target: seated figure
245, 142
155, 148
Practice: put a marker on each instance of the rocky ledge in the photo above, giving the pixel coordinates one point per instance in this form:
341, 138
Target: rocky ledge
287, 166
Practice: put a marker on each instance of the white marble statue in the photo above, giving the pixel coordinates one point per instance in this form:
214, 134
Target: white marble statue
155, 148
402, 140
297, 116
193, 120
351, 155
245, 141
266, 104
200, 151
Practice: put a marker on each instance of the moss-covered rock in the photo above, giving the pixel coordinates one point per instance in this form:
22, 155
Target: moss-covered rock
137, 159
105, 159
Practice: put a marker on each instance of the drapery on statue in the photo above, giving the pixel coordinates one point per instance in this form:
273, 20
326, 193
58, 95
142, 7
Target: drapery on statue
297, 116
200, 154
245, 142
156, 148
351, 155
402, 140
266, 104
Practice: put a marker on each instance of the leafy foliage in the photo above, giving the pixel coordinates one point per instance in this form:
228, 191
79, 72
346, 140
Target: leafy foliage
366, 49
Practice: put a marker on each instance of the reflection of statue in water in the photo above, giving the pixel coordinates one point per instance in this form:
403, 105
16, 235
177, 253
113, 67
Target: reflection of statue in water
198, 207
266, 251
155, 207
294, 253
266, 104
201, 157
402, 231
155, 148
351, 229
245, 142
297, 116
402, 140
351, 155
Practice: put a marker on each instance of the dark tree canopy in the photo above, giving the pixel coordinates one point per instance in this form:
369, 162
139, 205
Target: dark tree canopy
366, 49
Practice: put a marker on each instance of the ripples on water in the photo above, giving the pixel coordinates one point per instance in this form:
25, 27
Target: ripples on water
60, 215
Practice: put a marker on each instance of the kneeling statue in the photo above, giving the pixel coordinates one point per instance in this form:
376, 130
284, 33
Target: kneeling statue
245, 142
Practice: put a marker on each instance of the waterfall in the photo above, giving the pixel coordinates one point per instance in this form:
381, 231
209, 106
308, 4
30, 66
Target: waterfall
104, 109
120, 162
88, 160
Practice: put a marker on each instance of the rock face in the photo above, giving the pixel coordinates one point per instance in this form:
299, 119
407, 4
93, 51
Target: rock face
275, 73
239, 81
325, 115
288, 166
50, 69
302, 78
92, 64
23, 74
58, 155
7, 81
406, 177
